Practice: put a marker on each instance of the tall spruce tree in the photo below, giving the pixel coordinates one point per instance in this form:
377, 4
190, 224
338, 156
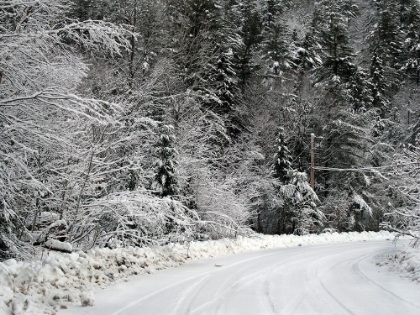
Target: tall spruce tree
165, 179
282, 158
300, 205
411, 23
248, 22
380, 85
386, 50
204, 45
277, 37
343, 108
282, 168
331, 27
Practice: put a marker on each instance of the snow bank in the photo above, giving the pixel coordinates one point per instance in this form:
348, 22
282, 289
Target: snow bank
58, 280
406, 262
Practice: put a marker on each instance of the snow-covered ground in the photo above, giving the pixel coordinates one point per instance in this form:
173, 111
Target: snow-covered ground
405, 262
58, 280
314, 279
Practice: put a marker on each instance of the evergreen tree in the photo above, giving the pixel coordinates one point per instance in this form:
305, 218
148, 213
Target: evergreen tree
380, 85
386, 38
282, 158
412, 40
359, 87
338, 76
331, 27
386, 50
165, 179
300, 202
308, 56
277, 38
344, 115
248, 22
204, 51
282, 172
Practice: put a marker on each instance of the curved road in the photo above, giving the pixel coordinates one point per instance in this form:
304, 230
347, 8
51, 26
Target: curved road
325, 279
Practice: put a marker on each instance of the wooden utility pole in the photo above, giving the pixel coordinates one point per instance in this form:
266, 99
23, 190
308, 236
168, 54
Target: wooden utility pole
312, 161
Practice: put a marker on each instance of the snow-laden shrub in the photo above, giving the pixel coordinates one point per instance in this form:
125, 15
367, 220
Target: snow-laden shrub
404, 212
134, 218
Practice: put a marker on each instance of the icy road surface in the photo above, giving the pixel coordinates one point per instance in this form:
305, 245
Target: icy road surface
323, 279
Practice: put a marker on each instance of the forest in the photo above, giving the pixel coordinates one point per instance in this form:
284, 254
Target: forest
149, 122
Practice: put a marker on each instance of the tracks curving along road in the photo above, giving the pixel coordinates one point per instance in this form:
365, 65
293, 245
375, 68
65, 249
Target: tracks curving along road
323, 279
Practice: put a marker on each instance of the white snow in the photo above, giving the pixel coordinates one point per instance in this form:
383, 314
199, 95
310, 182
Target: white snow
322, 279
43, 218
58, 280
406, 263
57, 245
87, 298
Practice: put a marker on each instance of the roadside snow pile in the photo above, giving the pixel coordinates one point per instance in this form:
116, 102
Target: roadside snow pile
207, 249
58, 280
406, 262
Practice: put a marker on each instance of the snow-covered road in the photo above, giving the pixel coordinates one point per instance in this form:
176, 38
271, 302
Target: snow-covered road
322, 279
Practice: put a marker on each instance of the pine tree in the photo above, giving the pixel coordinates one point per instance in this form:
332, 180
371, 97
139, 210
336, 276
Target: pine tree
248, 22
205, 42
380, 85
308, 56
344, 112
165, 179
282, 158
340, 79
282, 168
331, 27
359, 89
277, 38
411, 24
388, 34
386, 50
300, 202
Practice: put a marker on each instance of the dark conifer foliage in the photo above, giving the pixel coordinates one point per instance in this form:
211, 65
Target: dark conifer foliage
277, 38
410, 19
165, 179
380, 85
282, 158
386, 49
331, 27
248, 22
205, 45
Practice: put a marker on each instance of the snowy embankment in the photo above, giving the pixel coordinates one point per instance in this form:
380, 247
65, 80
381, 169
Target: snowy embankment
44, 286
406, 262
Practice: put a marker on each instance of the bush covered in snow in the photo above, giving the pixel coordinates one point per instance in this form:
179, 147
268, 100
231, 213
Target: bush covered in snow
406, 262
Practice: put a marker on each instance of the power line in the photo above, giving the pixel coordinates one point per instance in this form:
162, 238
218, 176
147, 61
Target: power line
320, 168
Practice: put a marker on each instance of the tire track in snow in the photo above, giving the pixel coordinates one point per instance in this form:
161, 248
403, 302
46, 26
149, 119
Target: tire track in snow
229, 286
325, 279
357, 270
311, 280
139, 301
183, 304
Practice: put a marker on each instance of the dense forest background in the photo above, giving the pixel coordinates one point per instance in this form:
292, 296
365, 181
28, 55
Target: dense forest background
139, 122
